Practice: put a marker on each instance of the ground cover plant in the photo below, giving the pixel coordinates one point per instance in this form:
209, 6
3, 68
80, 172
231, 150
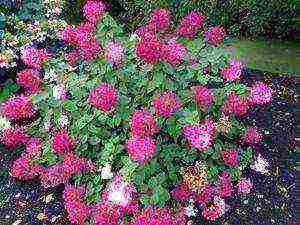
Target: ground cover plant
141, 128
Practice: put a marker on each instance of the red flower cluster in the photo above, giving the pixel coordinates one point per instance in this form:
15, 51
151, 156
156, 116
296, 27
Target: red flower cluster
72, 164
140, 149
166, 103
34, 57
172, 52
149, 48
160, 19
260, 93
93, 10
153, 216
62, 143
203, 96
235, 105
142, 123
77, 210
199, 135
224, 187
230, 156
13, 137
18, 107
190, 24
106, 213
252, 135
214, 35
30, 80
233, 71
103, 96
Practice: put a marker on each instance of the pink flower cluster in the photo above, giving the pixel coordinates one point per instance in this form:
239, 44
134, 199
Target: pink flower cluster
204, 97
93, 10
244, 186
114, 53
214, 35
153, 216
260, 93
149, 48
23, 168
216, 210
104, 97
142, 123
190, 24
13, 137
225, 188
230, 156
236, 105
166, 103
30, 80
62, 142
252, 135
160, 18
18, 107
172, 52
233, 71
34, 57
200, 135
140, 149
77, 210
106, 213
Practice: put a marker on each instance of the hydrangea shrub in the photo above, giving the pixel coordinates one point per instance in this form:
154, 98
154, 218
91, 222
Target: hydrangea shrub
140, 127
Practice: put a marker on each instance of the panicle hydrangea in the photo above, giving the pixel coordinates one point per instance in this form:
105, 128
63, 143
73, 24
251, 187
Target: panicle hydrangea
224, 186
166, 103
107, 213
13, 137
153, 216
77, 210
18, 107
30, 80
93, 10
214, 35
252, 135
190, 24
140, 149
34, 57
260, 93
236, 105
104, 97
203, 96
216, 210
148, 48
114, 53
62, 142
233, 71
244, 186
230, 156
160, 18
172, 52
200, 135
142, 123
120, 193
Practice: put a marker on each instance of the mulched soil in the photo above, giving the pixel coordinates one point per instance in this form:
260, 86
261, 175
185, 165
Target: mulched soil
272, 201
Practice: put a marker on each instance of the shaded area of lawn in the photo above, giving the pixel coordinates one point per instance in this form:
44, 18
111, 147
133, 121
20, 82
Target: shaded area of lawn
276, 56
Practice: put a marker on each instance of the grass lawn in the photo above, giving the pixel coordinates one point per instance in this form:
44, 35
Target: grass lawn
275, 57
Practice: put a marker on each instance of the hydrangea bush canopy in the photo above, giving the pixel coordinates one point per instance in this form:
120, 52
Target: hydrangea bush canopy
138, 127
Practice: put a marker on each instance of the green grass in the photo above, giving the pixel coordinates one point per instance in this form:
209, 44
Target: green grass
275, 57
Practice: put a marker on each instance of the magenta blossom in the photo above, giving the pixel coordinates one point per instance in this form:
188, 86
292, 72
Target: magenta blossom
30, 80
236, 105
252, 135
200, 135
153, 216
93, 10
244, 186
166, 103
114, 53
62, 142
233, 71
214, 35
230, 156
190, 24
160, 18
104, 97
204, 97
13, 137
260, 93
140, 149
34, 57
149, 49
173, 52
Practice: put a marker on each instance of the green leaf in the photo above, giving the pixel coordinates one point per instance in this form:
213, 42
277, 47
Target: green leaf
70, 105
145, 199
160, 196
